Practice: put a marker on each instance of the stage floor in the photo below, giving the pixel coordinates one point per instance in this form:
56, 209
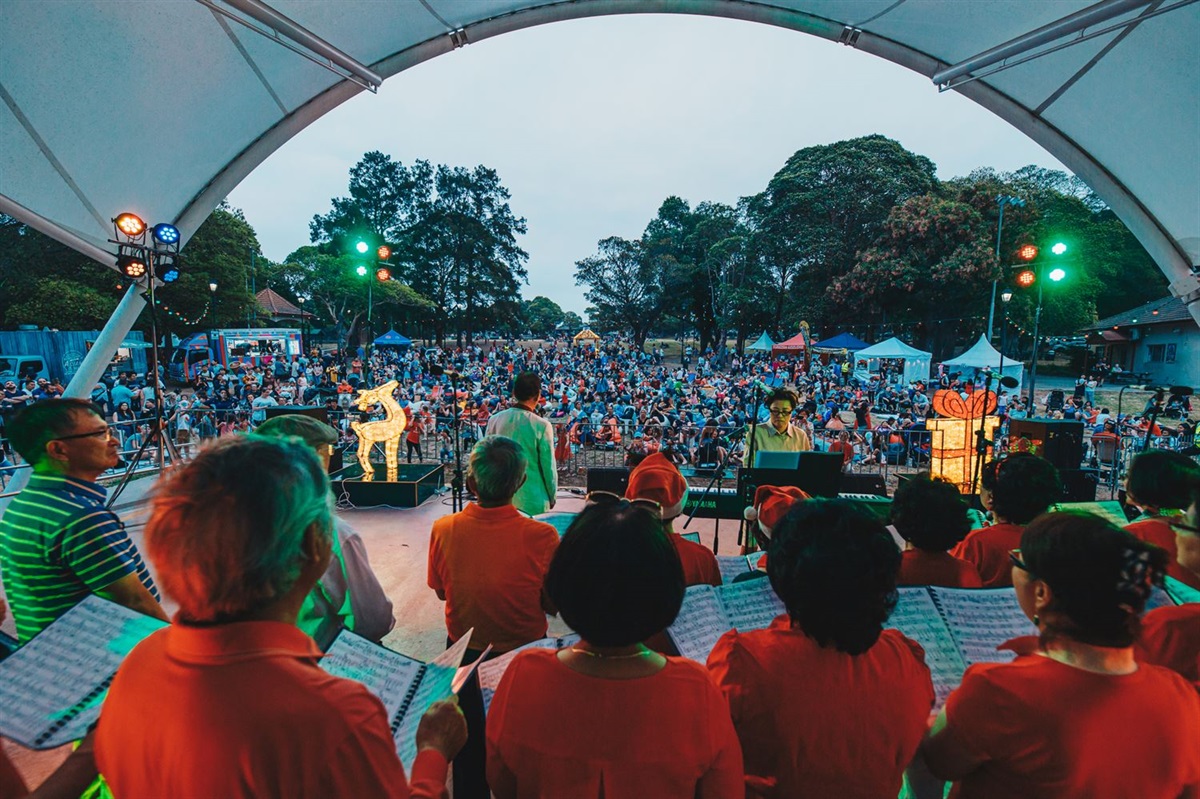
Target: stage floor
397, 541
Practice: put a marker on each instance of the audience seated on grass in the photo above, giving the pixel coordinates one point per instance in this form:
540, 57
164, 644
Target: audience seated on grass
610, 717
229, 701
1015, 489
931, 515
1171, 636
1157, 484
1074, 715
826, 702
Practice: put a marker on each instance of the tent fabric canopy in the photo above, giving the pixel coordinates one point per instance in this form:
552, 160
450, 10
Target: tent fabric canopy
393, 339
763, 344
842, 341
585, 335
1117, 106
916, 362
794, 344
984, 356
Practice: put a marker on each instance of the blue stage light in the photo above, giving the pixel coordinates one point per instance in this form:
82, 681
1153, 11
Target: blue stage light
166, 233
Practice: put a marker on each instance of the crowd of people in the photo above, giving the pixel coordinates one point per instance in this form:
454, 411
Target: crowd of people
827, 700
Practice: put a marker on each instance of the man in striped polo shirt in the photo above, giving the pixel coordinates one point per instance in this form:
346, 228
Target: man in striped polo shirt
58, 543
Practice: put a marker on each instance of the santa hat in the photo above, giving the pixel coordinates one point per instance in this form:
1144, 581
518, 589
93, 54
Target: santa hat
657, 478
771, 504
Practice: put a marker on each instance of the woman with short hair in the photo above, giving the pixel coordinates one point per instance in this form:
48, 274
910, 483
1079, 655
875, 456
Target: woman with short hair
1075, 715
609, 716
826, 702
931, 515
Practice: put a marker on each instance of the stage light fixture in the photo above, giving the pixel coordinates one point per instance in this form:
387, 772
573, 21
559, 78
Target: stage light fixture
130, 224
1059, 248
362, 270
383, 253
132, 266
1056, 275
166, 267
1026, 278
1027, 252
361, 247
166, 233
383, 274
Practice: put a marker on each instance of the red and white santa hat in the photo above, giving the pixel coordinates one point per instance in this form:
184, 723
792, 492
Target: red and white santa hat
771, 504
657, 478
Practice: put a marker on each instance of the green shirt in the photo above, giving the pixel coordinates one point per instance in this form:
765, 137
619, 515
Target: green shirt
58, 543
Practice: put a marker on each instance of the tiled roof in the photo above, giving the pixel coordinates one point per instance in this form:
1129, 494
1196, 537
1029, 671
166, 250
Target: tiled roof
1156, 312
275, 305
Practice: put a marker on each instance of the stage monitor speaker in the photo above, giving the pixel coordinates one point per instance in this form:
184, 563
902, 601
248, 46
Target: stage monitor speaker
614, 479
864, 484
1079, 485
1059, 441
317, 412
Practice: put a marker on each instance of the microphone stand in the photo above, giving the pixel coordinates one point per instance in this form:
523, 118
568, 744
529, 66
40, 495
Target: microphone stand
750, 456
716, 480
456, 482
980, 441
1153, 416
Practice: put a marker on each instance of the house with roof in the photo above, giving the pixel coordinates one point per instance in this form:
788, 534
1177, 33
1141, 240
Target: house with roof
1159, 338
278, 309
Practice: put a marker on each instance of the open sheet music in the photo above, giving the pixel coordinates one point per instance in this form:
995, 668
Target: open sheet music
492, 671
734, 566
407, 687
708, 612
51, 688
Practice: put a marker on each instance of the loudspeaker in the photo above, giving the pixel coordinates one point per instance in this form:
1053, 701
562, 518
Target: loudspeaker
863, 484
1059, 441
613, 479
317, 412
1079, 485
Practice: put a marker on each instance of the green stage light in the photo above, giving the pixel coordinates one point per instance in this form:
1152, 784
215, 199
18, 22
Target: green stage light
1057, 275
362, 270
361, 247
1058, 249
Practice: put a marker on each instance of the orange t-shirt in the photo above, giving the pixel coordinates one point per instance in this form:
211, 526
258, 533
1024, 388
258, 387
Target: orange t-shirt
919, 567
1156, 531
1171, 637
988, 549
814, 721
1046, 729
491, 563
699, 563
243, 710
553, 732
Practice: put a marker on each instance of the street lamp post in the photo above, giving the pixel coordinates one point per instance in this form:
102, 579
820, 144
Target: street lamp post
1002, 200
304, 325
1056, 274
212, 288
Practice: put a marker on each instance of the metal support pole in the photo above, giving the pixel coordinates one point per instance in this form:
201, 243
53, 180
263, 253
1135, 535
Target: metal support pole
992, 304
1037, 321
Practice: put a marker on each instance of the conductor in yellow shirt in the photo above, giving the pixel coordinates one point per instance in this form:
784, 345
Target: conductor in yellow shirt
780, 435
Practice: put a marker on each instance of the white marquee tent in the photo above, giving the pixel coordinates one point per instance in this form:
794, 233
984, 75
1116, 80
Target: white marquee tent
163, 108
916, 362
984, 355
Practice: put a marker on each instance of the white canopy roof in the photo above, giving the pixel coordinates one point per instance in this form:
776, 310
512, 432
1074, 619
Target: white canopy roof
980, 356
169, 105
892, 348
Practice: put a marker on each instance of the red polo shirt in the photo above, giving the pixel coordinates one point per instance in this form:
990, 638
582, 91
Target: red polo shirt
1156, 531
988, 549
1171, 637
490, 563
243, 710
919, 567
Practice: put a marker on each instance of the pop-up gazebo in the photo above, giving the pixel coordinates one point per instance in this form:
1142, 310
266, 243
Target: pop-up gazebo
763, 344
984, 355
916, 362
793, 346
586, 338
393, 339
841, 343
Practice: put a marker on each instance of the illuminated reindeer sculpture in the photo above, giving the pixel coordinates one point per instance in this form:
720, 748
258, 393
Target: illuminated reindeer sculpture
387, 431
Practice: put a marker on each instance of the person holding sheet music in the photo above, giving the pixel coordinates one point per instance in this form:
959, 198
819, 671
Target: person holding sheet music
1157, 484
1171, 635
1016, 490
229, 700
780, 435
826, 702
1074, 715
610, 717
931, 515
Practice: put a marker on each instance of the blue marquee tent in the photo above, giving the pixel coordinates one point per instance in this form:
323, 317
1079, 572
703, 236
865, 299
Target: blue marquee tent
393, 339
842, 341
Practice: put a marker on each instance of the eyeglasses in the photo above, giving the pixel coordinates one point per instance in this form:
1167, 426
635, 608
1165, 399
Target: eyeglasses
1015, 556
774, 412
102, 432
609, 498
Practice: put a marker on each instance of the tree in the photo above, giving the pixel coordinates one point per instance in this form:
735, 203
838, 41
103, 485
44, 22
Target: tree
63, 304
829, 202
387, 199
573, 321
623, 287
222, 251
541, 314
931, 258
464, 254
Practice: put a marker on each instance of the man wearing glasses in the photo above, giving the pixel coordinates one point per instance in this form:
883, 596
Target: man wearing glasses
780, 435
58, 542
